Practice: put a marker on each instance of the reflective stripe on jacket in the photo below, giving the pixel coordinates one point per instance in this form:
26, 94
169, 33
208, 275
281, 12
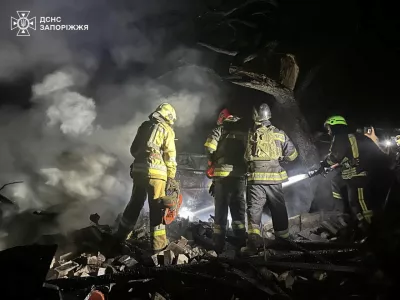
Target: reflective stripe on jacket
271, 172
154, 150
225, 146
345, 150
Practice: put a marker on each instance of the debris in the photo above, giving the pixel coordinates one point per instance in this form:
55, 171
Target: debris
169, 257
177, 249
212, 253
65, 268
182, 259
157, 296
101, 271
328, 226
287, 278
320, 275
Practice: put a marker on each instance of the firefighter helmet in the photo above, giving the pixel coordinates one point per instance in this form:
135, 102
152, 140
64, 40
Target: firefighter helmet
335, 120
223, 115
167, 112
263, 113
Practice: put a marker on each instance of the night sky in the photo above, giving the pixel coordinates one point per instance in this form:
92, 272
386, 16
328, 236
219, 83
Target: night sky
353, 45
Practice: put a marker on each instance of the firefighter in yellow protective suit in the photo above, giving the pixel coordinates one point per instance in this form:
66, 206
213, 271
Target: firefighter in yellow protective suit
266, 147
152, 172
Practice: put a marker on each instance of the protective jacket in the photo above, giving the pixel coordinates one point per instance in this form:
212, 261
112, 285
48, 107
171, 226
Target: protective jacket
266, 146
154, 149
356, 153
226, 146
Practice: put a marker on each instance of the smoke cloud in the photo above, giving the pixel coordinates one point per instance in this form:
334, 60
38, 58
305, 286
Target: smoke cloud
90, 92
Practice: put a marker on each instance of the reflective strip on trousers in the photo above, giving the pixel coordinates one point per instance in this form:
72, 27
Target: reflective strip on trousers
282, 233
336, 195
259, 176
218, 229
237, 225
253, 229
367, 214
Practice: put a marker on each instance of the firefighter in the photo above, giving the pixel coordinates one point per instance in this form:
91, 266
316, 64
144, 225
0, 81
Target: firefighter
225, 147
357, 154
153, 171
266, 147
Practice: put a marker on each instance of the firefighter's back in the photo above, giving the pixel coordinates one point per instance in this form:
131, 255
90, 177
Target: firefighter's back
229, 156
263, 152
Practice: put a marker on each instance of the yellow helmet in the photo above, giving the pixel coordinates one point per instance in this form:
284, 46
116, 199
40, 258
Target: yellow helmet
167, 112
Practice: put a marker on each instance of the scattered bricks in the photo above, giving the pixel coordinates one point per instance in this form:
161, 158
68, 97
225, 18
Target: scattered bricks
100, 258
81, 270
177, 249
193, 261
155, 259
182, 242
195, 252
158, 259
305, 233
328, 226
157, 296
101, 271
316, 237
169, 257
127, 261
67, 257
212, 253
182, 259
64, 269
92, 260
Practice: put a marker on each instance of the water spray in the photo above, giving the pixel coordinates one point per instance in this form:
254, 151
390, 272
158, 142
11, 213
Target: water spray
292, 180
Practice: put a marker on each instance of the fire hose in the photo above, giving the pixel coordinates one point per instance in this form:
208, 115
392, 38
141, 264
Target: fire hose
322, 171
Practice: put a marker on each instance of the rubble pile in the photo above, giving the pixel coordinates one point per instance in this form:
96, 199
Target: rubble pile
322, 260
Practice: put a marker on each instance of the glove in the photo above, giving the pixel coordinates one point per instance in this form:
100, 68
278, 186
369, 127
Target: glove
170, 182
211, 190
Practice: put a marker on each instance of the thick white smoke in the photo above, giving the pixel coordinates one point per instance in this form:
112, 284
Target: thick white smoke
71, 147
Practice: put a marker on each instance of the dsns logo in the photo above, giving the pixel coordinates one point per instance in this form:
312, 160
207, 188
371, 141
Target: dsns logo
23, 23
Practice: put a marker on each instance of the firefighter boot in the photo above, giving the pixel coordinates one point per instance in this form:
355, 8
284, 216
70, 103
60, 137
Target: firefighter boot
218, 242
253, 243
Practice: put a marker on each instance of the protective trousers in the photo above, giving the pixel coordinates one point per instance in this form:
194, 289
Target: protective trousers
359, 195
153, 189
229, 192
339, 193
271, 195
